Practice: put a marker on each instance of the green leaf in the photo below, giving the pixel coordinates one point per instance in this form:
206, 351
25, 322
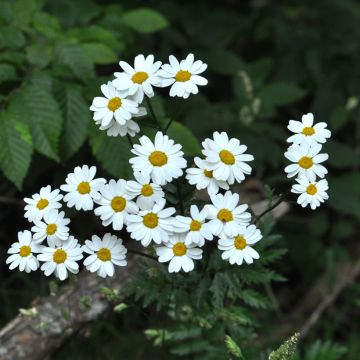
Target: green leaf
182, 135
7, 72
113, 153
99, 53
39, 54
76, 116
15, 149
145, 20
47, 25
280, 93
73, 56
11, 37
233, 348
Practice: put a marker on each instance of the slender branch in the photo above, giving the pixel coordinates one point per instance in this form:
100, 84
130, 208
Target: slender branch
270, 208
136, 252
152, 113
168, 125
130, 140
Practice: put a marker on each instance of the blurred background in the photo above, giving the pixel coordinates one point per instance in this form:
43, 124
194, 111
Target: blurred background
269, 61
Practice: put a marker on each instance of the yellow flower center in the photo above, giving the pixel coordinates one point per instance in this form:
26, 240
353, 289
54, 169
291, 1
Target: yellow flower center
59, 256
51, 229
114, 104
83, 188
158, 158
308, 131
139, 77
118, 203
151, 220
225, 215
227, 157
104, 254
147, 190
240, 242
42, 204
311, 189
195, 225
305, 162
179, 249
182, 76
25, 251
208, 173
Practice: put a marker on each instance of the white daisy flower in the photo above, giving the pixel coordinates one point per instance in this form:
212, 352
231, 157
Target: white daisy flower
131, 127
52, 227
104, 254
226, 215
238, 248
81, 187
307, 160
184, 76
312, 193
203, 178
180, 255
61, 259
139, 80
194, 227
163, 160
114, 106
147, 192
305, 130
152, 225
115, 204
227, 158
41, 203
22, 253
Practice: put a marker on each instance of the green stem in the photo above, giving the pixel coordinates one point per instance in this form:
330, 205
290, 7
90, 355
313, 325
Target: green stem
152, 113
179, 194
272, 207
130, 140
168, 125
142, 254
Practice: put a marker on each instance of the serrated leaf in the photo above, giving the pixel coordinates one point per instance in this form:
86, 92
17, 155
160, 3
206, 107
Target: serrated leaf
99, 53
73, 56
47, 25
39, 54
76, 116
233, 348
15, 149
145, 20
113, 153
182, 135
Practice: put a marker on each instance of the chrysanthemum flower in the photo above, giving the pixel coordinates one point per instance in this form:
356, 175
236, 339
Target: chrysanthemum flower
41, 203
114, 106
163, 160
307, 161
104, 254
238, 247
184, 76
194, 227
180, 255
61, 259
203, 178
81, 187
226, 158
52, 227
312, 193
22, 253
226, 215
139, 80
305, 130
147, 192
152, 225
115, 204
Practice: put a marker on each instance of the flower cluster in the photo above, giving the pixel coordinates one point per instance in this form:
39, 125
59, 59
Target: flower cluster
305, 154
140, 207
116, 110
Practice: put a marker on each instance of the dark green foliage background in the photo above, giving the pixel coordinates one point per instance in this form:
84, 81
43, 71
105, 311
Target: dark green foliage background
269, 61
